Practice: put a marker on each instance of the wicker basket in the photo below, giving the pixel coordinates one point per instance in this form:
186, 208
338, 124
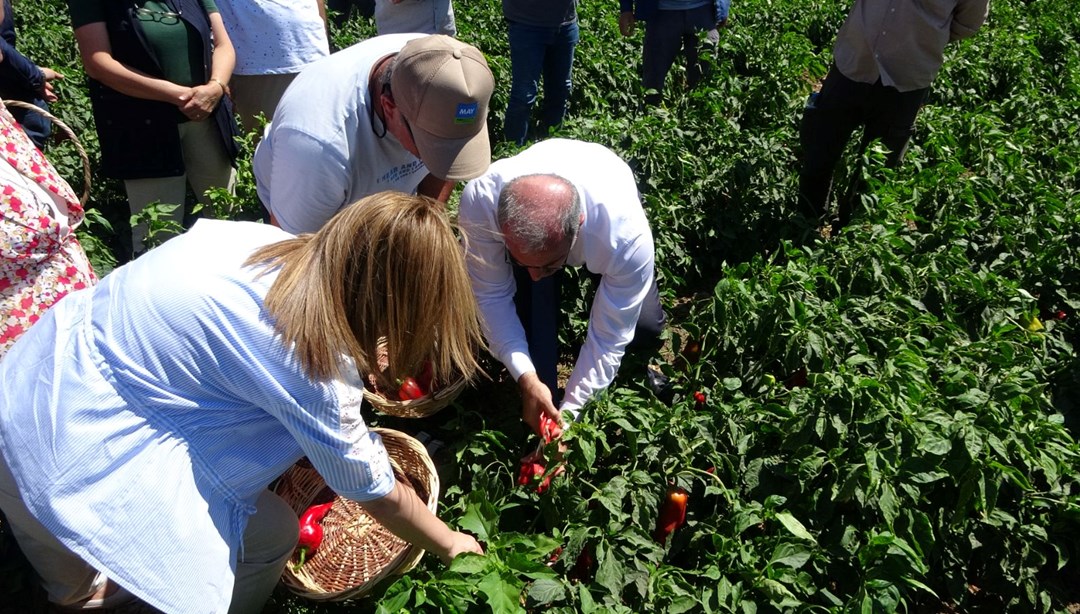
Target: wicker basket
417, 408
356, 552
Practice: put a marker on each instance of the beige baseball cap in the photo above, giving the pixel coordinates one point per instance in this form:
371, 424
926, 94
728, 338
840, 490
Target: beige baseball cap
442, 86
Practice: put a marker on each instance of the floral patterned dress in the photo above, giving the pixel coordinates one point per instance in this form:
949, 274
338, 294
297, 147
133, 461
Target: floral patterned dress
40, 257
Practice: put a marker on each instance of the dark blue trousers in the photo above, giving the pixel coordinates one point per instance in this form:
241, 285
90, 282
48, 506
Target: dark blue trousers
537, 304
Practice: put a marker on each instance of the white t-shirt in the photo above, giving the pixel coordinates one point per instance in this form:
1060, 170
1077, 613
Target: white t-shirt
322, 151
614, 241
274, 37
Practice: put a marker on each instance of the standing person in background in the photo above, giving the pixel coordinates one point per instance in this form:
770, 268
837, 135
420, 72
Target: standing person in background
423, 16
671, 25
40, 257
886, 55
21, 79
159, 72
542, 37
273, 41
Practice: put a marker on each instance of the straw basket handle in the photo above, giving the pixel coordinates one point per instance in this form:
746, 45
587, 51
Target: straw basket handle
70, 135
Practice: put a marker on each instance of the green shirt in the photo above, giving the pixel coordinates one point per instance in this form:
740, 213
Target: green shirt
174, 43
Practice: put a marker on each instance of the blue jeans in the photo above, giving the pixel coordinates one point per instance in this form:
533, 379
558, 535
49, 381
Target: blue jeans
536, 51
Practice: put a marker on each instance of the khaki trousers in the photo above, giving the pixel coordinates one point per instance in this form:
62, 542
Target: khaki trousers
207, 166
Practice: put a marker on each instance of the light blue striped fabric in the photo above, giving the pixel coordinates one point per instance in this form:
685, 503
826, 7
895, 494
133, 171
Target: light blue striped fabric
142, 417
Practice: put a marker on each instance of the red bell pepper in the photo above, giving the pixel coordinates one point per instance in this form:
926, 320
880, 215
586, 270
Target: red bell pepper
426, 379
672, 513
699, 399
311, 532
409, 390
549, 428
532, 471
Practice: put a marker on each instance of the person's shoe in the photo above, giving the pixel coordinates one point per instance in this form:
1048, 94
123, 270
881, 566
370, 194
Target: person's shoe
660, 385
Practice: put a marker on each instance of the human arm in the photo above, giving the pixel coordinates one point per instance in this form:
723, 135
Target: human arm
355, 463
321, 5
968, 17
406, 516
99, 63
439, 189
627, 277
18, 69
722, 9
535, 401
201, 100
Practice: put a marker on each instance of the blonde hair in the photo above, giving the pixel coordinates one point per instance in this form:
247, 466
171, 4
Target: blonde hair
386, 269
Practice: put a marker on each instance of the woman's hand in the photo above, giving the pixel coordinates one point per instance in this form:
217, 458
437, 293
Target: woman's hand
460, 543
200, 101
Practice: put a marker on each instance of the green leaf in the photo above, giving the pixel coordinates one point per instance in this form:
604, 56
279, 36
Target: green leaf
790, 555
469, 563
588, 450
935, 444
396, 602
480, 517
612, 494
545, 591
795, 527
501, 593
610, 572
973, 398
585, 599
888, 504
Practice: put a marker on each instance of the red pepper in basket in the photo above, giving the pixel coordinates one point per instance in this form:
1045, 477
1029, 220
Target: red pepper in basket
409, 390
311, 532
426, 379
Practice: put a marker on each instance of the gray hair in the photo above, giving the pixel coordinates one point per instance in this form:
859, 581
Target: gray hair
539, 211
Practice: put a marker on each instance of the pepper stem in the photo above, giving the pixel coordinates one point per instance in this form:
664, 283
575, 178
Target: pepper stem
303, 557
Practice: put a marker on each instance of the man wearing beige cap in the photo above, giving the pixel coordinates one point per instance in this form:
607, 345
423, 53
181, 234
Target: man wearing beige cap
404, 112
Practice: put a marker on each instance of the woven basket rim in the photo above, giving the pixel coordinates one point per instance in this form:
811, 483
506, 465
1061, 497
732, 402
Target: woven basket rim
416, 408
302, 583
69, 133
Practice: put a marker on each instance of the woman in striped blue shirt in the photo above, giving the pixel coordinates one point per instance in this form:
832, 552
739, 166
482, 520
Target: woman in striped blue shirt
141, 420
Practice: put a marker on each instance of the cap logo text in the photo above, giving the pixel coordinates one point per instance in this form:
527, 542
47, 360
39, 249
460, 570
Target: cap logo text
466, 113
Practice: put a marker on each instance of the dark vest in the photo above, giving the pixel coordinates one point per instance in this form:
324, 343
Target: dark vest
138, 137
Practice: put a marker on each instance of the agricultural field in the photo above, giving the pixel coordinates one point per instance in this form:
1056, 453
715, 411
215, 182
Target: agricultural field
876, 418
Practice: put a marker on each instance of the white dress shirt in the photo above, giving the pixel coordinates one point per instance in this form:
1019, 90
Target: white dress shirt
614, 241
